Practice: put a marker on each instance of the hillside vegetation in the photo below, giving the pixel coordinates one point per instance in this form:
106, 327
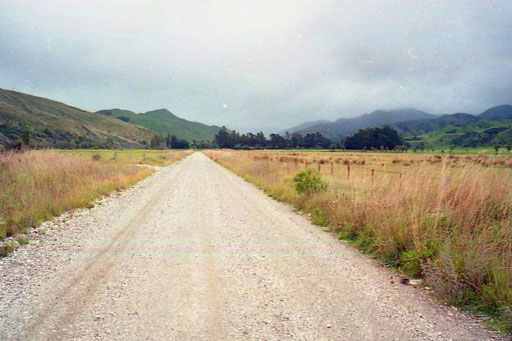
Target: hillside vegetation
492, 127
422, 130
446, 219
54, 124
41, 122
164, 122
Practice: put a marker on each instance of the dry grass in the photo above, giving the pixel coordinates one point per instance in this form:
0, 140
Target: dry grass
132, 156
447, 219
38, 185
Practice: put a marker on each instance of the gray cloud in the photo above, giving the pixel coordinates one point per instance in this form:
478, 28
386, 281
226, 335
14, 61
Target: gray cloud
260, 63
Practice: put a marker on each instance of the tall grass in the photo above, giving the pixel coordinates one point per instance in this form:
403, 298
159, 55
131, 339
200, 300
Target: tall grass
132, 156
37, 185
444, 218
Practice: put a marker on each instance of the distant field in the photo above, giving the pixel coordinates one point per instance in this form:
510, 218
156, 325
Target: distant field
40, 184
131, 156
445, 218
476, 150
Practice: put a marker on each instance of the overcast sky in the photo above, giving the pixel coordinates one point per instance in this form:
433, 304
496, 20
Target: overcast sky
260, 63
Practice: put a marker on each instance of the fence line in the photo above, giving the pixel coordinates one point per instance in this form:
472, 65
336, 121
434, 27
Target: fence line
372, 171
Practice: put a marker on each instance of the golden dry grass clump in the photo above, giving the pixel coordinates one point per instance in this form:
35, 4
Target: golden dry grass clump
37, 185
445, 218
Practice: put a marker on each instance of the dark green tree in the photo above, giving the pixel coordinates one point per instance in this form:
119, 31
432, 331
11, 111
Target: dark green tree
222, 138
385, 138
176, 143
155, 142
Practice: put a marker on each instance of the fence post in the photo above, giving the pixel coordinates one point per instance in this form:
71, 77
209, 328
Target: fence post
348, 171
373, 173
319, 166
306, 163
447, 181
332, 165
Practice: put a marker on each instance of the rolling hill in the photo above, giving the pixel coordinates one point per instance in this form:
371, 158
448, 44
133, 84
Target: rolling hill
500, 112
346, 126
58, 125
417, 128
54, 124
163, 122
493, 126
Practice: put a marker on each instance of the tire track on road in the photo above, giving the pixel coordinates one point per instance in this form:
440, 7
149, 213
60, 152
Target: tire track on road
83, 286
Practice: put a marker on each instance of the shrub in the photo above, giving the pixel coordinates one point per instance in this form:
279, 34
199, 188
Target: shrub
8, 247
308, 182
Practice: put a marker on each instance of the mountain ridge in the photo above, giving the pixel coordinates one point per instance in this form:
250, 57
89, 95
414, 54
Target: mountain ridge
163, 121
54, 124
346, 126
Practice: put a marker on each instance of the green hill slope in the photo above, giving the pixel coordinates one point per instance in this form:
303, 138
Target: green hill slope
54, 124
479, 134
500, 112
163, 122
492, 127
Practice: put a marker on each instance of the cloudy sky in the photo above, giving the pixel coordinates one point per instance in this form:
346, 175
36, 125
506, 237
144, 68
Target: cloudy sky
254, 64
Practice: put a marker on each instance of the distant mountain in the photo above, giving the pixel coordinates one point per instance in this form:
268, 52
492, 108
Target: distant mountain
347, 126
499, 112
162, 121
306, 125
418, 127
54, 124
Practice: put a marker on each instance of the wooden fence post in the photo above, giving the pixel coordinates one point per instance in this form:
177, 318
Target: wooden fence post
373, 173
319, 167
332, 166
348, 171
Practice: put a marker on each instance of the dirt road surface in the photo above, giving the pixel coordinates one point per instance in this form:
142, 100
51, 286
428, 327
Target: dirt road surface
195, 252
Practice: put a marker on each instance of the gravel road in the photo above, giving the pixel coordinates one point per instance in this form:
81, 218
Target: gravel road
195, 252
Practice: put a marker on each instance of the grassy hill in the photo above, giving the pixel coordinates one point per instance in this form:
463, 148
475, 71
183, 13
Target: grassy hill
478, 134
57, 125
493, 126
54, 124
163, 122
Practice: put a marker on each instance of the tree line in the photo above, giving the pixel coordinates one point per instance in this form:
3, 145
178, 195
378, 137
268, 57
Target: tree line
169, 141
385, 138
231, 139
